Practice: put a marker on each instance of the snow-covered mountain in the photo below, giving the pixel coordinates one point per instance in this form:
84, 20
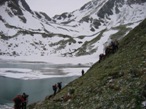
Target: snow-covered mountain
24, 32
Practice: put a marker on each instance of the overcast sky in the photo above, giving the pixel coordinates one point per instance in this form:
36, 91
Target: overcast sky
53, 7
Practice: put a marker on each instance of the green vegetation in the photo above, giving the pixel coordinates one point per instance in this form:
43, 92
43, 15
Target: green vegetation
122, 31
63, 43
87, 47
118, 82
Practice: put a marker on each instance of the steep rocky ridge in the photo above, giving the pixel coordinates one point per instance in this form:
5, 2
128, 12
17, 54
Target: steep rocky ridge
118, 82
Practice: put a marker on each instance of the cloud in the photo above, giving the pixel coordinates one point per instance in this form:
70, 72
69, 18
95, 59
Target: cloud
53, 7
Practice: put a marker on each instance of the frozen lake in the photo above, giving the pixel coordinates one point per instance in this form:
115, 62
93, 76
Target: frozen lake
34, 78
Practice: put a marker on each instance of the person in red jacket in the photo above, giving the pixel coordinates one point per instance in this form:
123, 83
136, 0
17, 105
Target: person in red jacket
18, 100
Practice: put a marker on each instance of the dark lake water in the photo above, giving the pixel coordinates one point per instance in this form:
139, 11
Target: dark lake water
37, 88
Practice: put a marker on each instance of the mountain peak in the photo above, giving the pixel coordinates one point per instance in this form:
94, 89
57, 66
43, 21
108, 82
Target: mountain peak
82, 32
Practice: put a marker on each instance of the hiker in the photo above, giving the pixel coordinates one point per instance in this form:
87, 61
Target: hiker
59, 85
54, 89
83, 72
114, 46
18, 100
108, 50
101, 57
24, 103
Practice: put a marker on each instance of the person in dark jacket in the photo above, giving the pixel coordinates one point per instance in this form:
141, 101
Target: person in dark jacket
59, 85
24, 103
83, 72
54, 89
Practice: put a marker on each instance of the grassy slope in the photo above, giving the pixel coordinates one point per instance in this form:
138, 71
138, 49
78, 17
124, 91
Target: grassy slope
118, 82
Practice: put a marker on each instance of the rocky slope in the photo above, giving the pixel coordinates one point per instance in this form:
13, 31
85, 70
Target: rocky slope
118, 82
